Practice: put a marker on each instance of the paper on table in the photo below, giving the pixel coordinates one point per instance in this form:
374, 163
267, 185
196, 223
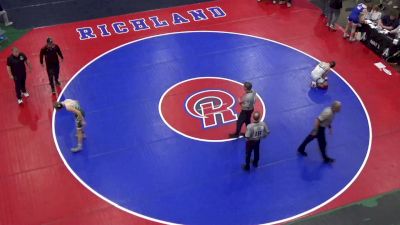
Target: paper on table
379, 65
387, 71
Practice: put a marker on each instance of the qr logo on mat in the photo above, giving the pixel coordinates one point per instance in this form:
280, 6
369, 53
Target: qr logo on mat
204, 108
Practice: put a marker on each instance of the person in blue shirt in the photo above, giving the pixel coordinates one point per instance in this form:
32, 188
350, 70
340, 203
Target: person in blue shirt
354, 21
389, 22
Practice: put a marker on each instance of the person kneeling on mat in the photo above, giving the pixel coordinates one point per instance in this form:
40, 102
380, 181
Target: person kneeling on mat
74, 107
319, 75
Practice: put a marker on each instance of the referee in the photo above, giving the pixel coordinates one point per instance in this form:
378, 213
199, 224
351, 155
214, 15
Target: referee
50, 52
323, 121
255, 131
246, 102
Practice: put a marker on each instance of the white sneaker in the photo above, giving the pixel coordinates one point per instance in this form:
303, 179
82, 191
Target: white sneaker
274, 2
9, 24
26, 94
76, 149
313, 84
20, 101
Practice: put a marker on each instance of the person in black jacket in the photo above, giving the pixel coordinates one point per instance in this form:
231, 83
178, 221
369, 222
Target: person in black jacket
16, 68
51, 52
334, 12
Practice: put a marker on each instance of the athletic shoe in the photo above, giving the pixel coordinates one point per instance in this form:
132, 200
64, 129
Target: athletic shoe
233, 135
302, 152
246, 167
332, 27
329, 160
313, 84
26, 94
9, 24
20, 101
345, 35
76, 149
274, 2
288, 4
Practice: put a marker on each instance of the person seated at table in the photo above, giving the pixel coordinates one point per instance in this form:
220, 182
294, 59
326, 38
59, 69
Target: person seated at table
354, 21
395, 32
319, 75
389, 22
374, 14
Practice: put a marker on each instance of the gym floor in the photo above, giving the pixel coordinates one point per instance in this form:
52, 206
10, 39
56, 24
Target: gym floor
149, 158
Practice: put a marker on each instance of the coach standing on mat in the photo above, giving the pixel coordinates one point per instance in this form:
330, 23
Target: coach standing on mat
51, 52
323, 121
246, 102
17, 71
255, 131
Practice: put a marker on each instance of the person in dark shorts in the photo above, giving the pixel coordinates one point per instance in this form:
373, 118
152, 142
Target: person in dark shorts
16, 68
74, 107
50, 52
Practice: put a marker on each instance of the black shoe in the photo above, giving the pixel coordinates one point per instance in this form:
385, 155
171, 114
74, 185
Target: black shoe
302, 152
255, 165
245, 167
329, 160
233, 135
58, 83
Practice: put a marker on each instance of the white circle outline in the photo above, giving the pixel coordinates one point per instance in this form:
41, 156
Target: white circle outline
199, 78
223, 32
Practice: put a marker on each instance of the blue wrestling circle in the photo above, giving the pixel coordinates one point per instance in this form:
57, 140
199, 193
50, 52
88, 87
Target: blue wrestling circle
134, 160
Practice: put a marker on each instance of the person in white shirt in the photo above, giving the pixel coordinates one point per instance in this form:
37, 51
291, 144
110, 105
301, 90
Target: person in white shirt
319, 75
374, 15
74, 107
324, 120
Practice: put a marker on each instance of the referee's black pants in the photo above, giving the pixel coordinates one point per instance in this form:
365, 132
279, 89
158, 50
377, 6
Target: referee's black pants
19, 82
321, 142
53, 71
244, 117
250, 147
